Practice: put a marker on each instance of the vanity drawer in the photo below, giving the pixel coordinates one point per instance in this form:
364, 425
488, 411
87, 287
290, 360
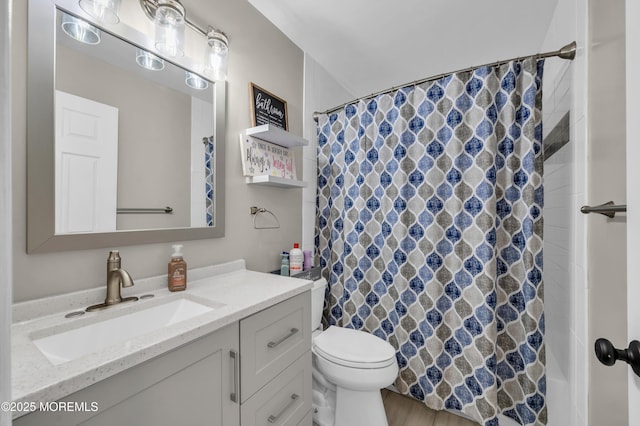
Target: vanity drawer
271, 340
307, 420
284, 401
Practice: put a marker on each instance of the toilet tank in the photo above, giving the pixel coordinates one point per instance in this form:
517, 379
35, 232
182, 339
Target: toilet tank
317, 302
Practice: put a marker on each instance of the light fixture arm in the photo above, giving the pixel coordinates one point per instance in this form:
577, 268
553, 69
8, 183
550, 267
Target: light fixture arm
150, 6
215, 34
215, 60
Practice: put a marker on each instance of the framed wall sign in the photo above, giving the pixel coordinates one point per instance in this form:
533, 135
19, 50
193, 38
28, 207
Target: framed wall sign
267, 108
261, 158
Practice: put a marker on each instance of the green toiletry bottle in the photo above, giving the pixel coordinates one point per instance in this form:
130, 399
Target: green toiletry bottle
284, 266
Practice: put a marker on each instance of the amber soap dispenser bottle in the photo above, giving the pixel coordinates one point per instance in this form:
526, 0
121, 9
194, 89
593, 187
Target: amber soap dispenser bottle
177, 275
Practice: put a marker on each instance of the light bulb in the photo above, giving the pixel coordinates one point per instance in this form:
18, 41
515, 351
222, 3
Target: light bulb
80, 30
149, 60
195, 81
216, 58
105, 11
170, 25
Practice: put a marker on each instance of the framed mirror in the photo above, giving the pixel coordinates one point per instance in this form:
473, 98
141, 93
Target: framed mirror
124, 147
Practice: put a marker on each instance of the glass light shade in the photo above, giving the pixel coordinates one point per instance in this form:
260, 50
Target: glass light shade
216, 59
149, 60
170, 25
105, 11
195, 81
80, 30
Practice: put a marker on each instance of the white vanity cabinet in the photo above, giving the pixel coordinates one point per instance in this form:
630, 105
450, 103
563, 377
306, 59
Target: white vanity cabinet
189, 385
275, 357
256, 371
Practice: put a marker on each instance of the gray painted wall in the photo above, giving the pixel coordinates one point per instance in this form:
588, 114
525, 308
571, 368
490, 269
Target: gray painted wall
260, 53
607, 181
321, 91
5, 210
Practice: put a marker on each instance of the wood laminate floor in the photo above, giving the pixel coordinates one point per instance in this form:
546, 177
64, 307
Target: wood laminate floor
405, 411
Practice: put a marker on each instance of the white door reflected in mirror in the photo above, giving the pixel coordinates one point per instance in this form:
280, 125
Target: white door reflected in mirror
86, 152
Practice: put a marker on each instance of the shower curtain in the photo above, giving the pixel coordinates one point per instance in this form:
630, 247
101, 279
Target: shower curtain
209, 161
429, 233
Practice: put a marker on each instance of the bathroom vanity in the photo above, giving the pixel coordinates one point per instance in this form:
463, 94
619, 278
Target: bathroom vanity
244, 359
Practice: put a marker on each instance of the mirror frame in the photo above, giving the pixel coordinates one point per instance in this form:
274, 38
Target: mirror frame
41, 236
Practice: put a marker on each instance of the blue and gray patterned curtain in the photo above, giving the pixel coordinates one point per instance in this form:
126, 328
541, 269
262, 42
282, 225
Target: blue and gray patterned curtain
430, 236
209, 162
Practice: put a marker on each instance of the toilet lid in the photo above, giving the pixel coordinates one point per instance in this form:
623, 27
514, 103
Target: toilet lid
354, 348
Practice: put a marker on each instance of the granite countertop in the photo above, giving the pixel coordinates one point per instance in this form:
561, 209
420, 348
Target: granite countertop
234, 291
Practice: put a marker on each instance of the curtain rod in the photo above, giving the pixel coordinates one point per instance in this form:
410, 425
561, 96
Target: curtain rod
565, 52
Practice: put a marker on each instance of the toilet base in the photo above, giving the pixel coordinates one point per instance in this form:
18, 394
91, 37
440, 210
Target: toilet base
323, 401
369, 409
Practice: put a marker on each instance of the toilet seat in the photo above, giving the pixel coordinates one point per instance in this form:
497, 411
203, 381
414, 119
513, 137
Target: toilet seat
353, 348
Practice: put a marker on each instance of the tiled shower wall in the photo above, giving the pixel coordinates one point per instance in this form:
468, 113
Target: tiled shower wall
565, 280
558, 232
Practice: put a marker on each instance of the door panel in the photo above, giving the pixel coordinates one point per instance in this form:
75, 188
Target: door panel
86, 165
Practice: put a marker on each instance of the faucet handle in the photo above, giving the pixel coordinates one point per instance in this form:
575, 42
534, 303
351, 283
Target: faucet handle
116, 278
113, 261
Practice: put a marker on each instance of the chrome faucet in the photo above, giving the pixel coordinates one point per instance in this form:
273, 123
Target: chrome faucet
116, 277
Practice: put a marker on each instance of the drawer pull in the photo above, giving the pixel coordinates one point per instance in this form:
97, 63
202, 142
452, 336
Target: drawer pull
277, 342
236, 376
294, 397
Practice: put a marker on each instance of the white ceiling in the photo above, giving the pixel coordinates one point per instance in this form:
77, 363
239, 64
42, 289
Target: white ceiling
372, 45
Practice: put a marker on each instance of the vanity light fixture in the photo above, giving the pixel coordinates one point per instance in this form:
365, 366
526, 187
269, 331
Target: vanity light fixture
105, 11
170, 20
217, 53
148, 60
195, 81
80, 30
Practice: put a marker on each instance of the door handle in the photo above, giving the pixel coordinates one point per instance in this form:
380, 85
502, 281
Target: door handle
608, 354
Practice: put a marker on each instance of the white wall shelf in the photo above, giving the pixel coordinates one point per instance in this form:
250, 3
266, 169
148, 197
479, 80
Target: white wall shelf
275, 181
276, 135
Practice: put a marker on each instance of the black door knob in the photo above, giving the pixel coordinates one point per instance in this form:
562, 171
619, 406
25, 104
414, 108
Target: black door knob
608, 355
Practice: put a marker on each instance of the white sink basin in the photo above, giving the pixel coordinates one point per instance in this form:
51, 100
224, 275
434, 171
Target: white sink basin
68, 345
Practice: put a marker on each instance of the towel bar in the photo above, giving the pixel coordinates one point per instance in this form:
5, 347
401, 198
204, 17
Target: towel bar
608, 209
142, 210
254, 211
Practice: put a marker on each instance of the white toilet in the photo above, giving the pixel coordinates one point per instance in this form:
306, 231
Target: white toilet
349, 369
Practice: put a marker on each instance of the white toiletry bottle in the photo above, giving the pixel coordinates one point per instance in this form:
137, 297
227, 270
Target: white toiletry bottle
295, 260
177, 274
